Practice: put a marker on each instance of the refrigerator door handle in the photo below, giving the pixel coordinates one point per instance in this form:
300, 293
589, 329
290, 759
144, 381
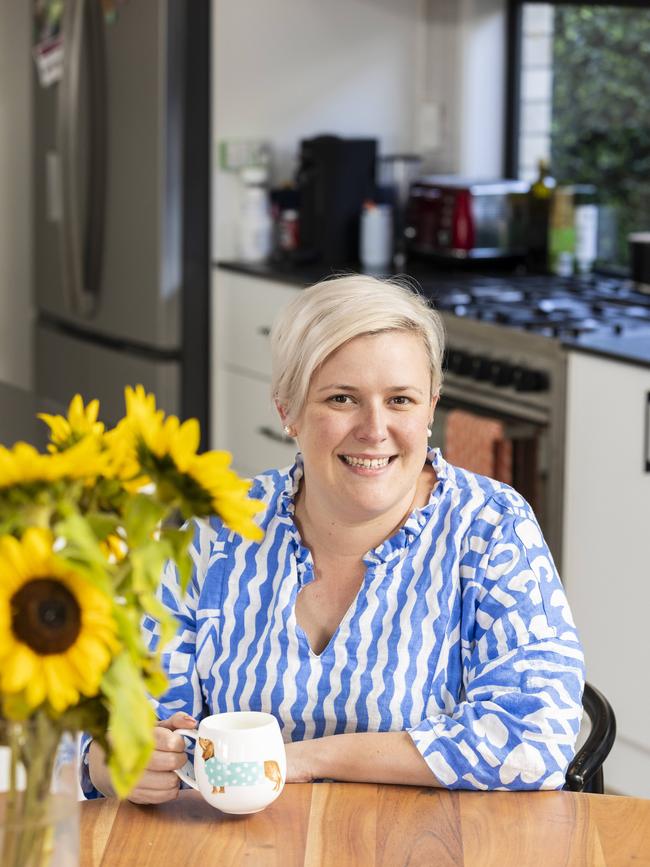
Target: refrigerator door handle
82, 245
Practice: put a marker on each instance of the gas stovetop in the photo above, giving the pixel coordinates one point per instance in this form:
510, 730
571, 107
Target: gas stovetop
553, 307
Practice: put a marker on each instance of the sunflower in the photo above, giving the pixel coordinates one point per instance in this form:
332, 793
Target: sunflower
204, 484
57, 632
23, 464
79, 423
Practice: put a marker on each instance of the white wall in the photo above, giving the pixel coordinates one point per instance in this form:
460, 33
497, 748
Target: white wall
463, 81
15, 193
483, 57
291, 69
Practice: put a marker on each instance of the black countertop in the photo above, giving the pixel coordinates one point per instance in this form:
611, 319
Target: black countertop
18, 409
630, 348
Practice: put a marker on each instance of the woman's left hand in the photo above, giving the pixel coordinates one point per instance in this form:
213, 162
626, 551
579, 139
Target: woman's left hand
298, 762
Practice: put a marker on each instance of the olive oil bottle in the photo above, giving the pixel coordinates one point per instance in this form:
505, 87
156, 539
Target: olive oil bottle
540, 198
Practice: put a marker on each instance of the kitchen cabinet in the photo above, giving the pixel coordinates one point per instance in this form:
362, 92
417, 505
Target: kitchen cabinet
244, 419
606, 565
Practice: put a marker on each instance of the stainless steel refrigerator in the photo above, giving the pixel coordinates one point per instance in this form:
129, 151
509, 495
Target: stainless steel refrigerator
122, 204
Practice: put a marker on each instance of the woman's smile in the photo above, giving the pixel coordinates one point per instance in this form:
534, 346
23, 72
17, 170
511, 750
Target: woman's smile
367, 464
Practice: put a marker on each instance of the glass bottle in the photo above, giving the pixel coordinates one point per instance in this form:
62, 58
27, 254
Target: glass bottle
540, 197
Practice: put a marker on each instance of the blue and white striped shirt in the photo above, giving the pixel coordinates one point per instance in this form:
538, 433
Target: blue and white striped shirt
460, 634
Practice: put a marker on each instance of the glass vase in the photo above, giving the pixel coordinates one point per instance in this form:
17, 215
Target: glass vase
39, 810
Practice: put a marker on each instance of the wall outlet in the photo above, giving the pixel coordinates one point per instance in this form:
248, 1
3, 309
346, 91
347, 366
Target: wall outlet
235, 155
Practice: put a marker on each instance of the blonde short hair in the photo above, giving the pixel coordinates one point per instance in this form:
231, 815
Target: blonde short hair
328, 314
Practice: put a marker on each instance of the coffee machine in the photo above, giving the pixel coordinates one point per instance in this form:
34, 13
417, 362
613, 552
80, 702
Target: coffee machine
335, 176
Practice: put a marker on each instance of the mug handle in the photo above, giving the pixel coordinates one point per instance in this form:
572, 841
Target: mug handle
187, 733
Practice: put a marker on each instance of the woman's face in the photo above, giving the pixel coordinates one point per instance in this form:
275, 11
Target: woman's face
363, 429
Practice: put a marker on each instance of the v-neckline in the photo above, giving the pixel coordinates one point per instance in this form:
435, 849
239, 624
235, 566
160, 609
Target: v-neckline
347, 616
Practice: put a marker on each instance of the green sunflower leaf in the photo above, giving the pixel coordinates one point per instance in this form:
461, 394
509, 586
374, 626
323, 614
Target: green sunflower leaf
141, 518
147, 562
180, 541
102, 524
82, 550
131, 723
128, 625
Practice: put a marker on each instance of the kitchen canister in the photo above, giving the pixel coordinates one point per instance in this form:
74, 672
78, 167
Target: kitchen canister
640, 260
255, 223
376, 236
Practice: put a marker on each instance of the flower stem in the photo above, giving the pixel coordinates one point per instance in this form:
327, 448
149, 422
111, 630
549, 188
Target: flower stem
29, 826
9, 841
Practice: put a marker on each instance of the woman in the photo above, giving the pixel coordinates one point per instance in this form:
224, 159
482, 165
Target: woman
402, 618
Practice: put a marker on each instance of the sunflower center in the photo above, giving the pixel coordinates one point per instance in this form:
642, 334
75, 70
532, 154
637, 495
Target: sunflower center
45, 616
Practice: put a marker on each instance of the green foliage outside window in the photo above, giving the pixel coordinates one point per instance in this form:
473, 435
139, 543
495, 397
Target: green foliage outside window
601, 111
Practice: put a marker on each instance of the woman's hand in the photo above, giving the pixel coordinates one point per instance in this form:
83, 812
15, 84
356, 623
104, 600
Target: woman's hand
158, 783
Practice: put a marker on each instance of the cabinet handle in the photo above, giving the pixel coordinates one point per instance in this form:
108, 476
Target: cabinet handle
271, 434
646, 456
264, 331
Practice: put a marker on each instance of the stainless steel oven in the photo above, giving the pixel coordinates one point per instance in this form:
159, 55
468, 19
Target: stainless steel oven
502, 413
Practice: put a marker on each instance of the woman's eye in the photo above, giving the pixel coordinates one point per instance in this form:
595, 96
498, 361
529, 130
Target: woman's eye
401, 400
340, 398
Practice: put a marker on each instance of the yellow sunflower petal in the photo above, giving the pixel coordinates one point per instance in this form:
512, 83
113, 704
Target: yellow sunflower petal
186, 442
97, 654
37, 545
6, 635
59, 426
87, 677
14, 564
76, 410
59, 677
19, 669
92, 411
36, 689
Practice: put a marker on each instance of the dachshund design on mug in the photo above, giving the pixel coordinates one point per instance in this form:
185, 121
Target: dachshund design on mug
222, 774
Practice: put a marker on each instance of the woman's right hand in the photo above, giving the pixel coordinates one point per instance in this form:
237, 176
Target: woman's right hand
158, 783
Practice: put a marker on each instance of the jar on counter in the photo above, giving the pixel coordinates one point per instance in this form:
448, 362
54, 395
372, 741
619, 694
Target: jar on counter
289, 230
376, 236
255, 223
586, 220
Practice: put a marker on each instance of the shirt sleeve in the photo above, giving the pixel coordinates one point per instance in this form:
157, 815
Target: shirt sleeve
178, 657
519, 715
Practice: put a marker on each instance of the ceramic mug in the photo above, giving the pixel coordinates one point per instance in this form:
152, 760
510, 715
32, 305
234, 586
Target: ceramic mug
240, 764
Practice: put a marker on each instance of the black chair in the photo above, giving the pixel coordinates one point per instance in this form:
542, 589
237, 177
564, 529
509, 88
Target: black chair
585, 773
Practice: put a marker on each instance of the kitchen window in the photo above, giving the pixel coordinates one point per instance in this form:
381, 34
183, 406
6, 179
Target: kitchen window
578, 85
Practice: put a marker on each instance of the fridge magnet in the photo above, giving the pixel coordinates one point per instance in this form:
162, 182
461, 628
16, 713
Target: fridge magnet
111, 9
48, 41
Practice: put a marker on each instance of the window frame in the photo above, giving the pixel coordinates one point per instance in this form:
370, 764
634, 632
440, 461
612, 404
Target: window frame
514, 13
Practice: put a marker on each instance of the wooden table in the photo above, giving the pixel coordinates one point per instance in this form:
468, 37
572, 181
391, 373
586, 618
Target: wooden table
362, 825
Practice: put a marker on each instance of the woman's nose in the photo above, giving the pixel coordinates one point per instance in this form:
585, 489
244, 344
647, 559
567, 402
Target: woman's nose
372, 425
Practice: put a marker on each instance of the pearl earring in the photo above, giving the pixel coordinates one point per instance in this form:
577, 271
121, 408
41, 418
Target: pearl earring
288, 430
429, 431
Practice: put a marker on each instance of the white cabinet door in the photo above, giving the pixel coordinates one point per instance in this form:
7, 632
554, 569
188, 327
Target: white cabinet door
253, 431
247, 307
606, 566
244, 420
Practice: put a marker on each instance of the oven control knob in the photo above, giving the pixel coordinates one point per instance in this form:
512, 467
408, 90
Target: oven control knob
501, 373
481, 367
525, 379
459, 362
